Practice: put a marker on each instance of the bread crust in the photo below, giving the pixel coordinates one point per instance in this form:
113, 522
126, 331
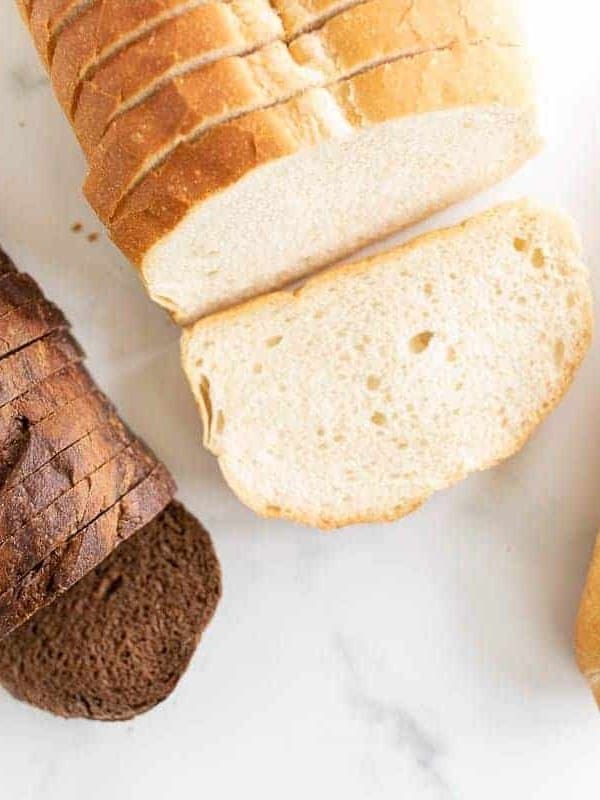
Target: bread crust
24, 325
44, 486
457, 77
587, 628
73, 510
564, 233
69, 563
206, 33
46, 18
362, 37
37, 362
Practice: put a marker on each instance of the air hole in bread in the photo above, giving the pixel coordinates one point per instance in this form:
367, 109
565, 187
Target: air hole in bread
428, 289
220, 422
274, 341
207, 404
538, 259
451, 354
420, 342
379, 418
373, 382
520, 245
258, 368
559, 352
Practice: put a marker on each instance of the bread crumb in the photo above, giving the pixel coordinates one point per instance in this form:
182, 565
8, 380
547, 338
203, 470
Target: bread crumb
76, 227
93, 237
21, 123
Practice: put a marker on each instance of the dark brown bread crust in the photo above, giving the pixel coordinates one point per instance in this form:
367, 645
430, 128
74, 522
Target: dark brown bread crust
37, 362
40, 489
6, 263
117, 644
27, 324
73, 510
69, 563
16, 290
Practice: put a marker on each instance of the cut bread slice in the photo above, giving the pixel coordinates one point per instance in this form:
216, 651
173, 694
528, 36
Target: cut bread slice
30, 544
69, 563
587, 632
117, 644
37, 362
379, 383
207, 33
329, 171
44, 486
365, 36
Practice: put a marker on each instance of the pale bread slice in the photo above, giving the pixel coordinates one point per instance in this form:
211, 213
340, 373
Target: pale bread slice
379, 383
276, 194
352, 42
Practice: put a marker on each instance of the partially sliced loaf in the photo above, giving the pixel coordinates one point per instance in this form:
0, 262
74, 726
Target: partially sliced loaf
203, 35
69, 563
587, 632
379, 383
97, 492
77, 462
363, 37
328, 172
117, 644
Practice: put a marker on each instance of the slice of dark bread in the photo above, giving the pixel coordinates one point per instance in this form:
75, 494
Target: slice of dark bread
20, 371
117, 644
76, 508
68, 564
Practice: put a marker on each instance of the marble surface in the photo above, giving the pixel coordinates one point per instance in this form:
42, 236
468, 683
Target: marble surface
425, 659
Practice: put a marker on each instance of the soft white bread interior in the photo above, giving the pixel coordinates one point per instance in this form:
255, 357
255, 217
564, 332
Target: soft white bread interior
356, 397
269, 197
587, 633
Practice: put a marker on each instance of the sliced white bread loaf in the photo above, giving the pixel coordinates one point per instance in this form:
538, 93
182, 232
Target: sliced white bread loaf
354, 41
378, 383
265, 199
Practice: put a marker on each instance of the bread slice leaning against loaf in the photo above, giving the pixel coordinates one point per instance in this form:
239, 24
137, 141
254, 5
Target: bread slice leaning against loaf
270, 197
359, 39
118, 642
356, 397
587, 632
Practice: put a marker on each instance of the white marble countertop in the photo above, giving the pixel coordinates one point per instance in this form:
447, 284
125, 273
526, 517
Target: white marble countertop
430, 658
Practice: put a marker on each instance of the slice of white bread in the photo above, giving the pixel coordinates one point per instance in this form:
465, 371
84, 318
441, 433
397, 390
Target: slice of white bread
269, 197
352, 42
356, 397
587, 632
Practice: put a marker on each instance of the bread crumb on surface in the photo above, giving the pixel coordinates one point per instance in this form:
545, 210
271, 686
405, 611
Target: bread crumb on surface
76, 227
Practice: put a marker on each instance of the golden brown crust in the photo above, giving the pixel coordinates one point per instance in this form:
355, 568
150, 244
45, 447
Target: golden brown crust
46, 18
365, 35
203, 32
105, 25
458, 77
564, 235
587, 631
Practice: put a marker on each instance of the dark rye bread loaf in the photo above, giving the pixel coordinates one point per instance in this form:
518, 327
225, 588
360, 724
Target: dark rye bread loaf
117, 644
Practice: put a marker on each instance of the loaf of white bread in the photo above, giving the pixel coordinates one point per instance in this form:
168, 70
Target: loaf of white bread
236, 146
356, 397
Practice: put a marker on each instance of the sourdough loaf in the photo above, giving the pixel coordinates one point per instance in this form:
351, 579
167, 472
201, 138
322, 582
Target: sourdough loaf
356, 397
118, 643
365, 36
328, 171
